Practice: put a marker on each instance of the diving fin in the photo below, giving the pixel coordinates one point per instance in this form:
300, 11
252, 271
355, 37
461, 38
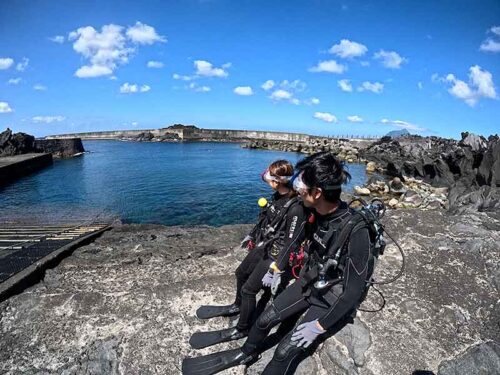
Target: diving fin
200, 340
214, 363
209, 311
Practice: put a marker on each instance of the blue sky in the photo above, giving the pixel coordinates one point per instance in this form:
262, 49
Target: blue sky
318, 66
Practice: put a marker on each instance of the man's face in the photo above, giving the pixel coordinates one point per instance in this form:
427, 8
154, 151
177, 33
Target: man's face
310, 197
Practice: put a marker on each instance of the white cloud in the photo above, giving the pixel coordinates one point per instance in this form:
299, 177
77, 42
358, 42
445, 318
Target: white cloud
113, 78
128, 88
39, 87
329, 66
182, 78
193, 86
14, 81
375, 87
109, 48
480, 86
420, 85
402, 124
365, 63
325, 116
354, 118
57, 39
206, 69
243, 90
345, 85
348, 49
93, 71
281, 95
492, 44
144, 34
313, 101
155, 64
48, 119
5, 107
6, 63
390, 59
268, 85
295, 101
105, 49
21, 66
295, 86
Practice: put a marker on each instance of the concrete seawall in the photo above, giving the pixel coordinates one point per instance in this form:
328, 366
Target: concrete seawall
192, 134
14, 167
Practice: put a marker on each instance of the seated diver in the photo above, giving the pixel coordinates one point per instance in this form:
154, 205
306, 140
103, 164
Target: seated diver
325, 293
279, 233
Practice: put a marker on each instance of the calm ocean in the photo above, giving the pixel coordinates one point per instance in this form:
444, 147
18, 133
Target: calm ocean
163, 183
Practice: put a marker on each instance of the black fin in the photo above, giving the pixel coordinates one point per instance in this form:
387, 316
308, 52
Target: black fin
208, 311
200, 340
213, 363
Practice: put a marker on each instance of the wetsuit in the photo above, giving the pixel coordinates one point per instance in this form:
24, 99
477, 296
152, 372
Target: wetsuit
288, 236
329, 305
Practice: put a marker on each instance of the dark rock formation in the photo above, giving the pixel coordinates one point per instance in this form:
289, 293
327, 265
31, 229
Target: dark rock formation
126, 303
470, 167
477, 360
150, 137
60, 148
16, 144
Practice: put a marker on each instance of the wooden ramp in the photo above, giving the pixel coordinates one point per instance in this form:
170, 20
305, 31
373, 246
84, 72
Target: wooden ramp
25, 249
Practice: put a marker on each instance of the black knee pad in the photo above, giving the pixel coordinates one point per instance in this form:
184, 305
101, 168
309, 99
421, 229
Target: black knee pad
287, 349
268, 318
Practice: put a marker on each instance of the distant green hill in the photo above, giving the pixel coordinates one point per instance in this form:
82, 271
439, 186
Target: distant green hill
398, 133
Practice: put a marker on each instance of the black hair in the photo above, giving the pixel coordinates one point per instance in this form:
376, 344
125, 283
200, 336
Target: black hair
325, 171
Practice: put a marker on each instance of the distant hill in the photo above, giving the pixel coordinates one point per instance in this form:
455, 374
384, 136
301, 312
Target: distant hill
398, 133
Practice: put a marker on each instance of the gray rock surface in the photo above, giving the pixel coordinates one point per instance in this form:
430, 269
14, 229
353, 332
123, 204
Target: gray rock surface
126, 303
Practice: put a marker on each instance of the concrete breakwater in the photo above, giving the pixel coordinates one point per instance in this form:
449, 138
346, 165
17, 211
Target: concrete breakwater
192, 133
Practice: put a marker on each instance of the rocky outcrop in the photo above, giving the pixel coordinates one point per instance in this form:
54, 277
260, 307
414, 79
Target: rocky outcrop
16, 144
150, 137
20, 143
60, 148
469, 167
344, 149
126, 303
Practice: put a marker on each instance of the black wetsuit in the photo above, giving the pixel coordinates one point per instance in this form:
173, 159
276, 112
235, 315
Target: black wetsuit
329, 305
288, 237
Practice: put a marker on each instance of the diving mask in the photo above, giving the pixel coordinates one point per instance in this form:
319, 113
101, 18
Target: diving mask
298, 185
267, 177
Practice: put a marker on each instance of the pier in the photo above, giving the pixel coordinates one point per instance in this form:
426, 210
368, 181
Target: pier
14, 167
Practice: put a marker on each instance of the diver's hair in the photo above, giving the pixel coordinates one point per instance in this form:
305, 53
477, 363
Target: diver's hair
325, 171
281, 168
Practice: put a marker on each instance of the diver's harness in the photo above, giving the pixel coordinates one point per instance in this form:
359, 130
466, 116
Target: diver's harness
326, 271
272, 230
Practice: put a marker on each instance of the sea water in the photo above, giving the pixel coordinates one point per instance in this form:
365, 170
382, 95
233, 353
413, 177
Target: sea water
136, 182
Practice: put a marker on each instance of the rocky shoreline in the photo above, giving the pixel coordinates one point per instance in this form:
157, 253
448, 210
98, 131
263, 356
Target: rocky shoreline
125, 304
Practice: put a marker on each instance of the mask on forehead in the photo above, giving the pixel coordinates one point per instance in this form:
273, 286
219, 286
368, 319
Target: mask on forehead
298, 185
267, 177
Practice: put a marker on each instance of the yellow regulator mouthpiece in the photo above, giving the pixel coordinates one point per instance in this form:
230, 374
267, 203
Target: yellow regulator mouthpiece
262, 202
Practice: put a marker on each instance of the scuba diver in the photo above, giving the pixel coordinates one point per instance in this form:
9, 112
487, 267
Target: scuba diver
332, 284
278, 233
